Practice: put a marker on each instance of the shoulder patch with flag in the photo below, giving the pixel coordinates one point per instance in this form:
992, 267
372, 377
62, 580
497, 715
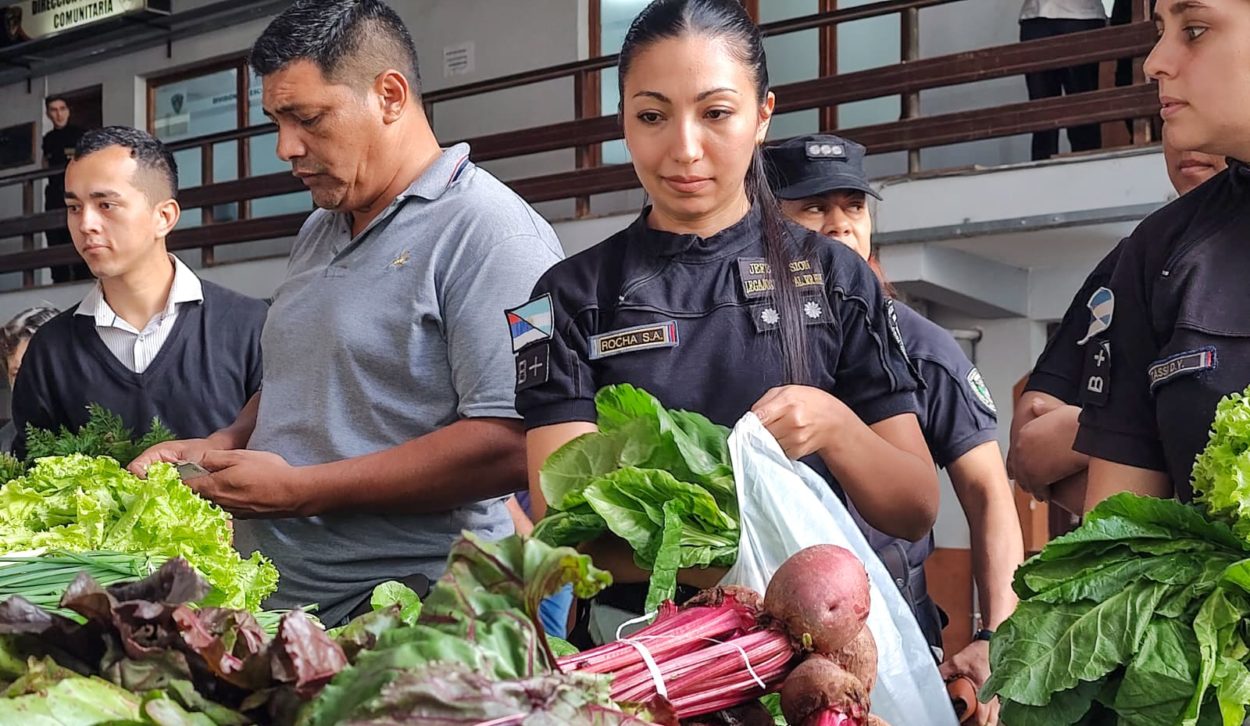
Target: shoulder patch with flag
1101, 309
980, 390
530, 323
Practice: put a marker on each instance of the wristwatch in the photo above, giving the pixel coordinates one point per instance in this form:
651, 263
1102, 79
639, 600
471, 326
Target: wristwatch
984, 634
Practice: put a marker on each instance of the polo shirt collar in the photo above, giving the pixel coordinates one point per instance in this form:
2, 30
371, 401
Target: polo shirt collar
186, 288
440, 176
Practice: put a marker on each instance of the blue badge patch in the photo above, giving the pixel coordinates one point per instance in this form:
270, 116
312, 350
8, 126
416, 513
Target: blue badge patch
629, 340
1181, 364
530, 323
532, 367
1101, 308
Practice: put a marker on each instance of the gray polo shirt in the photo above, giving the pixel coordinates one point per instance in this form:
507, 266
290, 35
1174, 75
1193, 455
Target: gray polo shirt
382, 338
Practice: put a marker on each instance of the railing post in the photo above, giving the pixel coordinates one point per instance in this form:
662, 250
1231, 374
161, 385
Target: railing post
1141, 126
910, 51
585, 105
206, 213
28, 240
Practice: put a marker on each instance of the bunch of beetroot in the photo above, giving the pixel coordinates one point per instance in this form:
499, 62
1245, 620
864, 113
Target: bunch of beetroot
728, 646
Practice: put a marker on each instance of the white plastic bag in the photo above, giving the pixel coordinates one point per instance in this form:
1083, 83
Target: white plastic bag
784, 506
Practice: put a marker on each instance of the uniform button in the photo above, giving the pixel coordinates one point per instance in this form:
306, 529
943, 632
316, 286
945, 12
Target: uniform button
898, 582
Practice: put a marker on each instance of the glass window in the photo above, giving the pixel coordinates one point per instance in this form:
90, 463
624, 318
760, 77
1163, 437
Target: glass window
196, 106
615, 17
864, 44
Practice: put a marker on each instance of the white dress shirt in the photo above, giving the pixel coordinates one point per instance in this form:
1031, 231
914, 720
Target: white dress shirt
137, 348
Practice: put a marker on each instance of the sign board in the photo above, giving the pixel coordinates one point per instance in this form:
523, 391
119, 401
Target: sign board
458, 60
33, 19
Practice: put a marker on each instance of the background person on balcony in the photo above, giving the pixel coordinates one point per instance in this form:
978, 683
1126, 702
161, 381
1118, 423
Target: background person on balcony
1044, 425
1047, 18
707, 268
821, 183
387, 423
58, 149
150, 339
1173, 323
14, 338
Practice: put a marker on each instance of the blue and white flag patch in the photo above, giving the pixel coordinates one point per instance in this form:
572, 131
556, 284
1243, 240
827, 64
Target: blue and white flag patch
531, 323
1101, 308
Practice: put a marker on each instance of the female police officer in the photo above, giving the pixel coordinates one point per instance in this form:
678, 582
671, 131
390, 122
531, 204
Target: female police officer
1170, 332
821, 184
1044, 424
711, 302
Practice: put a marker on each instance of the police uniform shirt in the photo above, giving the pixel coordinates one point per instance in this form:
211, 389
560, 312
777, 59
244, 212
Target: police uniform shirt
1059, 369
957, 414
1176, 326
58, 149
690, 320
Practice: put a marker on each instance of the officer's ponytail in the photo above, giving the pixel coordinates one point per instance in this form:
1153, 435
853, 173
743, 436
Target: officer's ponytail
727, 20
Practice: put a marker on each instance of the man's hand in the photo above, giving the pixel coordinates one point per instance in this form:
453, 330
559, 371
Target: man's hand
973, 662
249, 484
803, 419
1041, 453
171, 451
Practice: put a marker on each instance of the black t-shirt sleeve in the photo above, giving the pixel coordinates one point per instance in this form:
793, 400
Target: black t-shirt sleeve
1059, 369
1123, 429
959, 416
554, 380
873, 376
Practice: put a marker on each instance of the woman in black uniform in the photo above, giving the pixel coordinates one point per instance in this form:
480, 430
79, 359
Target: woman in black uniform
821, 183
1173, 335
713, 303
1044, 425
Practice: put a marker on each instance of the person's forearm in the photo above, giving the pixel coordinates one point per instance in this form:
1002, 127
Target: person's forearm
237, 434
468, 461
1046, 447
895, 490
984, 493
997, 550
1069, 493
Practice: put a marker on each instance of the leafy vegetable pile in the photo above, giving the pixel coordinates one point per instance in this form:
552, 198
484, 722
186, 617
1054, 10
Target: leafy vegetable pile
104, 434
1140, 615
79, 504
660, 480
144, 656
477, 652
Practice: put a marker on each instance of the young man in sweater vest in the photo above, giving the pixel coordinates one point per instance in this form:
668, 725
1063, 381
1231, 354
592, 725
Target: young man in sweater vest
150, 339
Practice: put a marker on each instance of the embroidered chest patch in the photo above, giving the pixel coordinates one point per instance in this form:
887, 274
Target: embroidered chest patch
631, 340
1180, 364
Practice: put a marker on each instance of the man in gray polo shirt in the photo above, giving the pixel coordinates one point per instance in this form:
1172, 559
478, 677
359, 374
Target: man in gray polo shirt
386, 422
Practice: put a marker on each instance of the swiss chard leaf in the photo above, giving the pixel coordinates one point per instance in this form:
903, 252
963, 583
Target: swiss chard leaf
1044, 649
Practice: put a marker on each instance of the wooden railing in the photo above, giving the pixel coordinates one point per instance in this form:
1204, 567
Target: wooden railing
589, 128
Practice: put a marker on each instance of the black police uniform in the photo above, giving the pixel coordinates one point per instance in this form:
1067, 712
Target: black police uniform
1060, 369
957, 414
1178, 337
955, 410
690, 320
58, 149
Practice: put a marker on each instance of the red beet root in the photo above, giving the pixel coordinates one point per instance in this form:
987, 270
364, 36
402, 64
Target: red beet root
859, 658
821, 596
818, 692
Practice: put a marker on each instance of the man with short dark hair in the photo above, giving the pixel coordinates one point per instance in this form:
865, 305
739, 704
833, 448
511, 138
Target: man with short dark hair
150, 339
58, 149
387, 422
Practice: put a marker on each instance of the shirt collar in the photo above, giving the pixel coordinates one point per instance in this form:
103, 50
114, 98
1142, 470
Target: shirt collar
186, 288
446, 171
440, 176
